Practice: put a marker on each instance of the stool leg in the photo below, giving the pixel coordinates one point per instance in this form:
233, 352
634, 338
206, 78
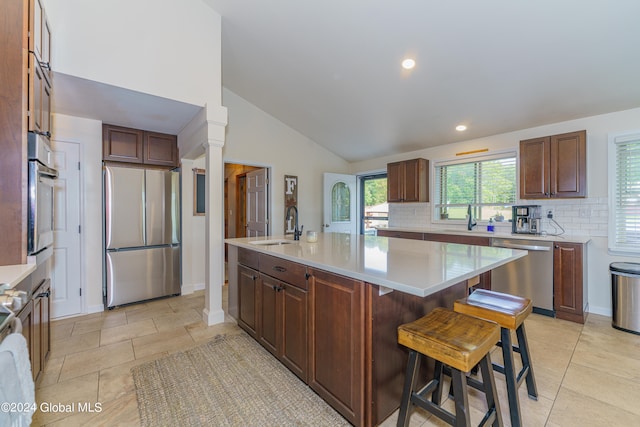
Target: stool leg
459, 381
490, 390
510, 377
532, 390
438, 375
409, 384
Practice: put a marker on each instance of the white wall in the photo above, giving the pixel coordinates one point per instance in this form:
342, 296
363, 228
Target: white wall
88, 133
193, 226
258, 139
583, 217
168, 48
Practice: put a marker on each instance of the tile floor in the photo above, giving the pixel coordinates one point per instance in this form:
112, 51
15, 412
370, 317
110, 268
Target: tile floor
586, 376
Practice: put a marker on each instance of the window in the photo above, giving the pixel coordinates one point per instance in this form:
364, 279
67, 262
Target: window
340, 203
374, 208
487, 183
624, 193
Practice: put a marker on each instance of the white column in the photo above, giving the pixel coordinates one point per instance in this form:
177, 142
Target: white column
214, 228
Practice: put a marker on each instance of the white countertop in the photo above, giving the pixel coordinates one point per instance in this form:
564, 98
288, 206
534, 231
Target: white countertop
413, 266
14, 274
479, 232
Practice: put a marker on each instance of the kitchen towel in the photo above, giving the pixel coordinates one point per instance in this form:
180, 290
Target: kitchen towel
16, 382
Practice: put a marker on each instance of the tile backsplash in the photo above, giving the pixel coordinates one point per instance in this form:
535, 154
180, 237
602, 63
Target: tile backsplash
578, 217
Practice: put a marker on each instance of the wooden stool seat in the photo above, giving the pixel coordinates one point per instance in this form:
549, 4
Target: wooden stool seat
455, 339
509, 312
458, 342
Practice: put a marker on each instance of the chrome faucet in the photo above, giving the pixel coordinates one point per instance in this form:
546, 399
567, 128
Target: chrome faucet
470, 222
296, 233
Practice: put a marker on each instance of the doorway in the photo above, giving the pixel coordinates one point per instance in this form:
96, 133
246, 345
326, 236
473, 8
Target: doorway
245, 188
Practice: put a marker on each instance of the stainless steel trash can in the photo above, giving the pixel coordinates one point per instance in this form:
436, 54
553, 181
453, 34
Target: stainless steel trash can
625, 296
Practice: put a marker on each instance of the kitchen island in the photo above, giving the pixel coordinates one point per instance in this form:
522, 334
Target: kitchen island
329, 310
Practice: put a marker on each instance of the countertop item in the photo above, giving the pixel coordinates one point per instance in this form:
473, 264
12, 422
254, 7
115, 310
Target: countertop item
497, 233
14, 274
416, 267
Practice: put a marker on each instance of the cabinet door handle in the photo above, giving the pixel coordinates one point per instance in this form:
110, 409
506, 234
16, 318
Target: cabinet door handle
280, 269
254, 277
44, 294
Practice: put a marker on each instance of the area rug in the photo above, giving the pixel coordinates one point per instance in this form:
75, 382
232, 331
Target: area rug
229, 381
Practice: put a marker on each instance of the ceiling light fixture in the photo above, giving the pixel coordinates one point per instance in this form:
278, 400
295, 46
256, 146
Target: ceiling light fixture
408, 64
461, 128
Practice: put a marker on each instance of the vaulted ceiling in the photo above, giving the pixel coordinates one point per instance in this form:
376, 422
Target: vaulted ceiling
331, 68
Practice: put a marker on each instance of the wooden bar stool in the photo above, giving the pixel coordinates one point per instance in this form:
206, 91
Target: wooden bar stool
460, 342
509, 312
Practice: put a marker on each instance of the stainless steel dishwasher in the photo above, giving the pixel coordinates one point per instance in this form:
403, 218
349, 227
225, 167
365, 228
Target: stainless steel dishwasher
530, 277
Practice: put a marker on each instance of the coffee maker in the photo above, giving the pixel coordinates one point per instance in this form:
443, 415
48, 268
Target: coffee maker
526, 219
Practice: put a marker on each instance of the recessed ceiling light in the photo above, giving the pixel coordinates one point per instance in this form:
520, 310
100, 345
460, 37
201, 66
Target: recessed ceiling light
461, 128
408, 63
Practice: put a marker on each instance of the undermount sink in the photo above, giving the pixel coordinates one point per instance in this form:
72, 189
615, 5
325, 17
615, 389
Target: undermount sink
273, 242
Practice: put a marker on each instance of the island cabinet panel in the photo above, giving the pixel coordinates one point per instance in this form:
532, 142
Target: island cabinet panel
248, 292
282, 311
386, 360
337, 361
569, 281
295, 335
270, 314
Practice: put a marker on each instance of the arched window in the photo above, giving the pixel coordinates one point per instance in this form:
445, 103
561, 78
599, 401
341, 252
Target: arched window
340, 202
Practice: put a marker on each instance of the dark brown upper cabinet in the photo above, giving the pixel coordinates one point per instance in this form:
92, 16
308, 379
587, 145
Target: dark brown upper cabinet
554, 166
128, 145
408, 181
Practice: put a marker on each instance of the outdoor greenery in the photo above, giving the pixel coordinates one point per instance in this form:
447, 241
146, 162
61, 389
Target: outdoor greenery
489, 186
375, 191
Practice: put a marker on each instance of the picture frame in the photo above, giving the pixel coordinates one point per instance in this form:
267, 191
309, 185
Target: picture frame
199, 195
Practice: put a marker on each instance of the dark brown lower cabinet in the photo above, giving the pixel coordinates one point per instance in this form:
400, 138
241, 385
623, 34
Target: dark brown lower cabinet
339, 335
337, 343
569, 281
248, 300
284, 323
35, 318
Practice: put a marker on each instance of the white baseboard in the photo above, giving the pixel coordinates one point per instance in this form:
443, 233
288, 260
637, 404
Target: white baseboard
603, 311
213, 317
95, 308
190, 288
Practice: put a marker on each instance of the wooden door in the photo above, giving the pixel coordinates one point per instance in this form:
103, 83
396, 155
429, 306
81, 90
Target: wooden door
534, 168
121, 144
395, 184
337, 343
247, 300
568, 298
568, 176
257, 200
160, 149
295, 353
269, 333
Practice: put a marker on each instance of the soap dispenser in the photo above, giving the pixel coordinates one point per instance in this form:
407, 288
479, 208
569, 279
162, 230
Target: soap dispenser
490, 227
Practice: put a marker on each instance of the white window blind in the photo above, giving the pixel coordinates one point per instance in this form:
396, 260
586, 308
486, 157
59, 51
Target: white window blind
487, 183
624, 193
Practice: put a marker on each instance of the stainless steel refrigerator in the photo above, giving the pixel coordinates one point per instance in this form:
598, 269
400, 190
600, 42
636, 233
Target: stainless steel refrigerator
141, 234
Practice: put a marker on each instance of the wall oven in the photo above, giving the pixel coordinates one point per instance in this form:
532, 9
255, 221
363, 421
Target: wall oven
40, 197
